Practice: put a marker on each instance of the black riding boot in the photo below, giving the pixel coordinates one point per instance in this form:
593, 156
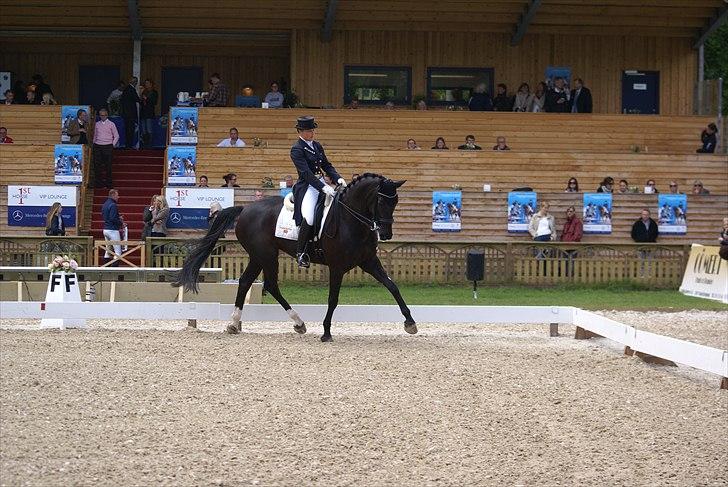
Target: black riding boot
304, 234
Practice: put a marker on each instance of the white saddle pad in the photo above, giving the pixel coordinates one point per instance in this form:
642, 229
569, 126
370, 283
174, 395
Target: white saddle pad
286, 227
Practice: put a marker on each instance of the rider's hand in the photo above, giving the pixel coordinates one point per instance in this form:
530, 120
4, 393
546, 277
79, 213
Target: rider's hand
342, 182
329, 190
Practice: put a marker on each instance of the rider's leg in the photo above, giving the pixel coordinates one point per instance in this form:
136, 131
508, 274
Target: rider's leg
308, 206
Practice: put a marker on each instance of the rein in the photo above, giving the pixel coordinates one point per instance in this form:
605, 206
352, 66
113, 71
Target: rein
372, 224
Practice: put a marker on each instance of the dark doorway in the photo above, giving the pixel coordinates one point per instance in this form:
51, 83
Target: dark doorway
641, 92
176, 79
95, 84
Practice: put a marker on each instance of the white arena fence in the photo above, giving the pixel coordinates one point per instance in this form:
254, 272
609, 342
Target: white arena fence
701, 357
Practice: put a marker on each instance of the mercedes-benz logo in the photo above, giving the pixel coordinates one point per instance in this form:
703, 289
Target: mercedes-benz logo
175, 218
18, 215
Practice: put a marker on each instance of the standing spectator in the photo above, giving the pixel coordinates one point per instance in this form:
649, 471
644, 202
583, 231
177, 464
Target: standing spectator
623, 186
204, 182
698, 188
650, 187
288, 180
572, 186
557, 98
539, 98
147, 217
674, 188
606, 186
160, 212
130, 111
113, 224
4, 139
645, 228
9, 98
231, 180
218, 96
502, 102
500, 144
412, 144
542, 227
78, 128
573, 227
149, 100
41, 88
113, 100
233, 141
274, 98
469, 144
106, 137
581, 98
480, 100
440, 144
524, 99
54, 221
709, 138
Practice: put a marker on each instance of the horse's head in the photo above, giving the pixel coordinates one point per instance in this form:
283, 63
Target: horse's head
386, 202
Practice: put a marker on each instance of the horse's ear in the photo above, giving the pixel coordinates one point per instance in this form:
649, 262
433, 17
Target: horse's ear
397, 184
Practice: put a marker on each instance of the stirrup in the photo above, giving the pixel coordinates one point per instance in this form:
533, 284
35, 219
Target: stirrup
303, 260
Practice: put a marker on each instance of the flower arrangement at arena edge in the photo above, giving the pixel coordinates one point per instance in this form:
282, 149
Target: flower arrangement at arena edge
63, 263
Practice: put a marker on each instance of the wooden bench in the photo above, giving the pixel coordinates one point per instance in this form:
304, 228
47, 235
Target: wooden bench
32, 124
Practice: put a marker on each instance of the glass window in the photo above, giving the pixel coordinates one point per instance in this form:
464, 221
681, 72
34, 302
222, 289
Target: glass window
454, 86
376, 85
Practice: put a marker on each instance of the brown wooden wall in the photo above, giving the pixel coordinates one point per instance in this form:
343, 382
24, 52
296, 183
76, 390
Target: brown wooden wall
317, 68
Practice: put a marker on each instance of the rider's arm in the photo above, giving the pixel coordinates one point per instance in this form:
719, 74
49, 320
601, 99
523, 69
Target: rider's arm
299, 160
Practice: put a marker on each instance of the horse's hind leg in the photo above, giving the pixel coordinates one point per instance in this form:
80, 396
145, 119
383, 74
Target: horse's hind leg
375, 268
244, 283
270, 284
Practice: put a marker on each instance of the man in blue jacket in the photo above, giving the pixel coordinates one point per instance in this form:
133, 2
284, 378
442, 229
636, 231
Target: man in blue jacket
113, 224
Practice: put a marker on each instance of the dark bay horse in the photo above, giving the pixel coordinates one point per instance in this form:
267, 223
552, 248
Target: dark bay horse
362, 214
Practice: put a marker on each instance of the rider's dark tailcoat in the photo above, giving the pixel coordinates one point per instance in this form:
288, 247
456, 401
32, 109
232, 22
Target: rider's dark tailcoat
311, 164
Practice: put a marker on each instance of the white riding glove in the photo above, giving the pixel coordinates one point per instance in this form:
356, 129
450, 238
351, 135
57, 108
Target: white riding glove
329, 190
342, 182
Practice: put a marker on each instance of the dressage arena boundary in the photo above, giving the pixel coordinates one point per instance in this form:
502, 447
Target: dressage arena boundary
650, 347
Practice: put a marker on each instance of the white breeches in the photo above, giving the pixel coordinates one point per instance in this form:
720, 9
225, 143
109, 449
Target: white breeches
308, 205
112, 235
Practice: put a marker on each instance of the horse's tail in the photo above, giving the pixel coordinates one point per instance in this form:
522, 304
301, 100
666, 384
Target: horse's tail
189, 274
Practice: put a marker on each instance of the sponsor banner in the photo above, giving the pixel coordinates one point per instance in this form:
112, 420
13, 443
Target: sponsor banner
706, 275
183, 125
521, 207
68, 113
189, 208
672, 214
68, 164
597, 213
181, 165
553, 72
29, 205
446, 209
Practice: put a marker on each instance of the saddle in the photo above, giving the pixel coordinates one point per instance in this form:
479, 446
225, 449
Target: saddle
286, 227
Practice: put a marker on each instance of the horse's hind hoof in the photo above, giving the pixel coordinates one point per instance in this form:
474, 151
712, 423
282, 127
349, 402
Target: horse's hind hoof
410, 328
326, 338
232, 329
300, 329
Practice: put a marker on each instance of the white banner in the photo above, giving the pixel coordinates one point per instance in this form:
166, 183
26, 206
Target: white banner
706, 275
199, 197
28, 205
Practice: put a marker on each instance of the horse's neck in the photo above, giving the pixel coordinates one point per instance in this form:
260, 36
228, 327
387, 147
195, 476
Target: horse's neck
358, 196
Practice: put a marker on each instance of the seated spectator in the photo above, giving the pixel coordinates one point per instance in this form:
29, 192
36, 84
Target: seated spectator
412, 145
541, 227
572, 186
539, 98
204, 182
218, 95
258, 195
4, 139
233, 141
501, 144
557, 98
469, 144
114, 99
502, 102
480, 100
274, 98
698, 188
623, 186
440, 144
248, 99
289, 181
79, 127
421, 105
48, 99
231, 180
709, 138
674, 188
9, 98
650, 187
389, 105
645, 228
606, 186
581, 98
524, 99
354, 103
573, 227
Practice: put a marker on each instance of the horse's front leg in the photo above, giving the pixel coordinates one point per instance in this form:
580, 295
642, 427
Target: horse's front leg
335, 278
375, 268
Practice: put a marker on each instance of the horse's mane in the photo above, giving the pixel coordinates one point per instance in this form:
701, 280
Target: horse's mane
359, 179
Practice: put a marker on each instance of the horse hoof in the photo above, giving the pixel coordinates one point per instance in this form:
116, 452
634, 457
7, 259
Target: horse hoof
326, 338
300, 329
232, 329
410, 328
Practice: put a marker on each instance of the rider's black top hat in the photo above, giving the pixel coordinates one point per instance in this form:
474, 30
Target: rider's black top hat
306, 123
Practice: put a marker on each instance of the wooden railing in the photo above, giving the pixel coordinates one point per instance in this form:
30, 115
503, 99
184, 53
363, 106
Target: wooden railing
39, 251
132, 253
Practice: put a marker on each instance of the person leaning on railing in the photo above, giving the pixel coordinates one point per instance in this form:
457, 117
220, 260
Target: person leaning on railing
542, 227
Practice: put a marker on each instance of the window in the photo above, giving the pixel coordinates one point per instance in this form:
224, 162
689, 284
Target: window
376, 85
454, 86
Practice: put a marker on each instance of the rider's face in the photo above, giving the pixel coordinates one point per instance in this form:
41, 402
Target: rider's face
307, 134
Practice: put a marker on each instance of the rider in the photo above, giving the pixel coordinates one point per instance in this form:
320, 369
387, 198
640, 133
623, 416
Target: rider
311, 163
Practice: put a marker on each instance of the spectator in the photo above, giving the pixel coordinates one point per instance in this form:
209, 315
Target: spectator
650, 187
480, 101
354, 103
41, 88
723, 238
573, 227
248, 99
389, 105
557, 98
541, 227
19, 92
215, 208
204, 182
147, 217
106, 137
258, 195
440, 144
606, 186
113, 224
274, 98
572, 186
709, 138
54, 221
502, 102
130, 111
674, 188
149, 100
48, 100
231, 180
581, 98
698, 188
539, 98
233, 141
289, 181
9, 98
113, 100
160, 212
79, 127
501, 144
4, 139
354, 176
623, 186
644, 229
470, 144
30, 97
412, 145
524, 99
218, 96
421, 105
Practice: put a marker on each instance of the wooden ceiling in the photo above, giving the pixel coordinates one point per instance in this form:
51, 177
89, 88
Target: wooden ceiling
162, 18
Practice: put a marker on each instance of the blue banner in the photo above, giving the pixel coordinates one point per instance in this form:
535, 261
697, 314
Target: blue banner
181, 165
35, 216
446, 209
68, 164
597, 213
183, 125
521, 207
672, 214
69, 113
190, 207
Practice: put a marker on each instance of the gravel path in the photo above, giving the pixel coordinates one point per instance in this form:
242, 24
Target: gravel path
454, 405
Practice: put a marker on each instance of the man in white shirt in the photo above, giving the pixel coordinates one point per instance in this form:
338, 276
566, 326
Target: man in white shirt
233, 141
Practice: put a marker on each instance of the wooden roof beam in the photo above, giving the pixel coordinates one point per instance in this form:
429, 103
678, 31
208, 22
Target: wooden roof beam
329, 17
134, 19
526, 19
720, 16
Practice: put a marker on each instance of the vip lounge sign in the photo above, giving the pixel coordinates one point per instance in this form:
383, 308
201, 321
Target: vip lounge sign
29, 205
190, 207
706, 275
